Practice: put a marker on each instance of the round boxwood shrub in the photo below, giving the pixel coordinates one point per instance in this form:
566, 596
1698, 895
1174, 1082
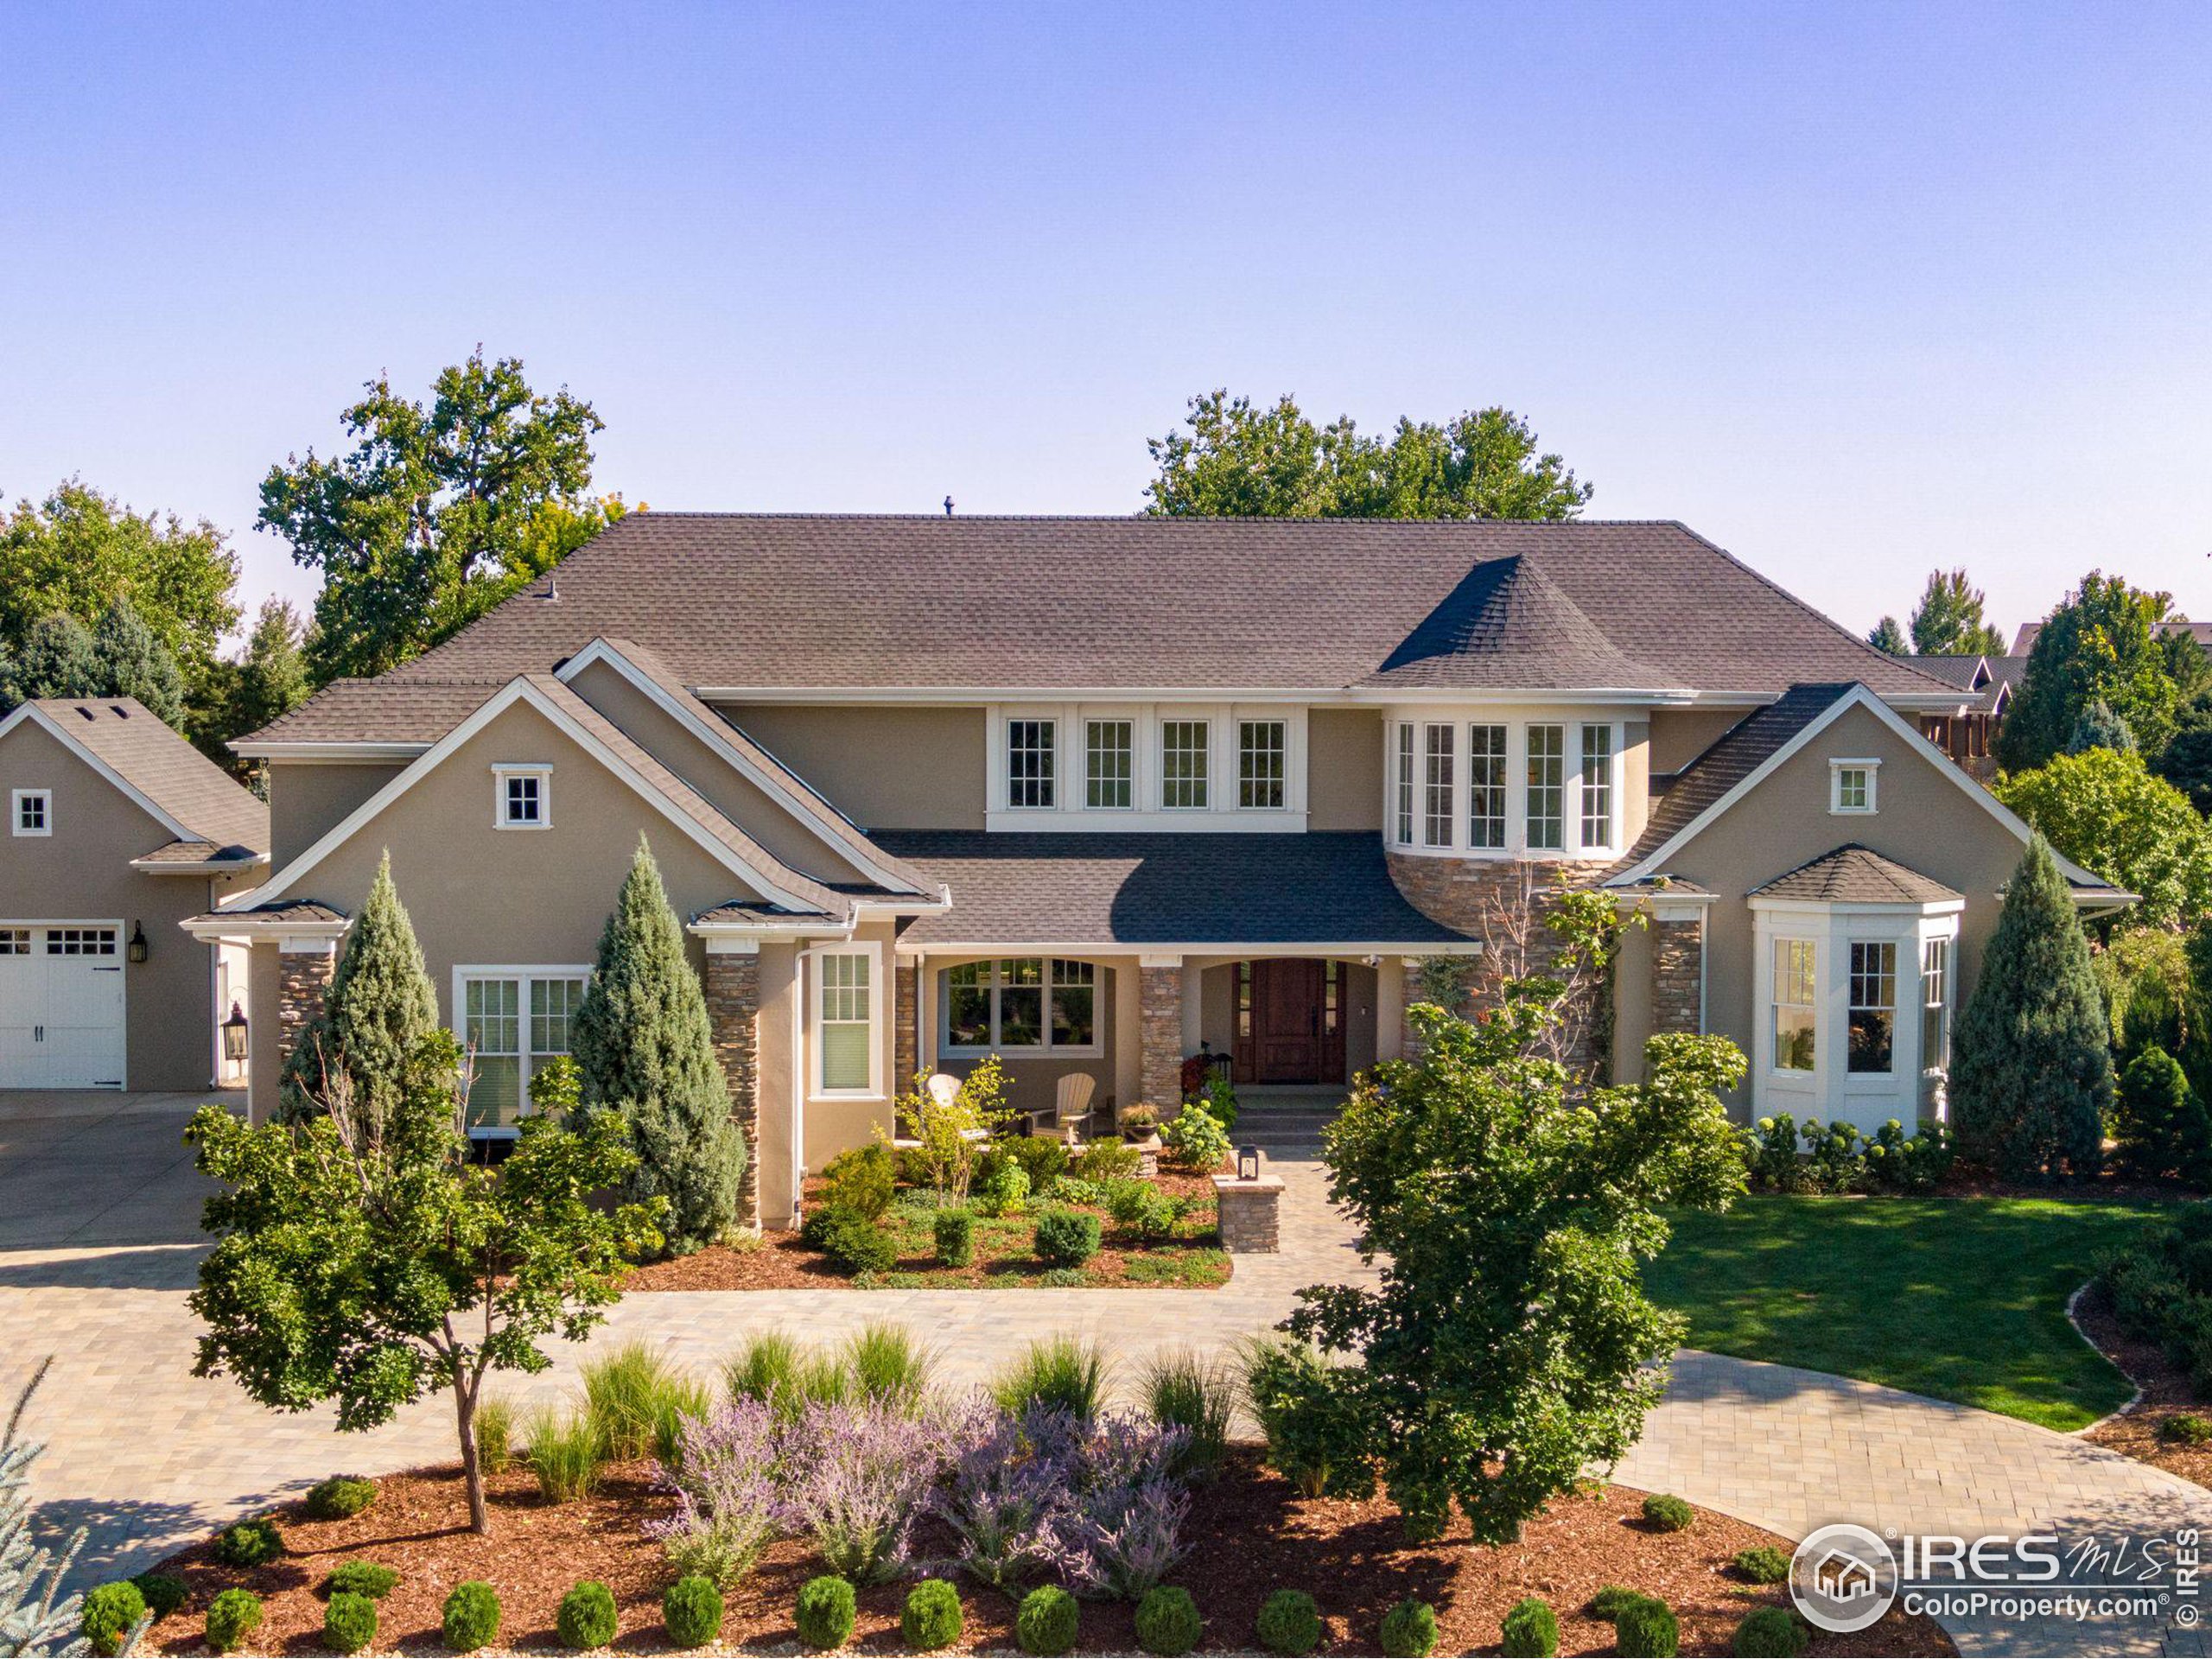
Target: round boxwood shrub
109, 1613
1646, 1629
855, 1243
826, 1609
249, 1543
1044, 1624
164, 1593
341, 1497
1289, 1624
1168, 1620
369, 1579
692, 1610
472, 1618
2186, 1428
1761, 1564
956, 1238
1608, 1602
1771, 1633
232, 1617
1531, 1629
1410, 1630
587, 1616
932, 1618
1067, 1238
349, 1623
1664, 1512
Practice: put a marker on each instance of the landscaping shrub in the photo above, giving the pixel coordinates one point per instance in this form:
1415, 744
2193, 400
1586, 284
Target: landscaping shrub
1898, 1163
163, 1593
1105, 1160
1004, 1189
2160, 1286
857, 1478
1762, 1564
1289, 1624
1531, 1629
692, 1610
623, 1389
1046, 1623
826, 1608
1063, 1279
1196, 1394
1663, 1512
1771, 1633
862, 1180
1608, 1602
369, 1579
566, 1448
727, 1493
1838, 1159
471, 1616
495, 1433
931, 1618
1042, 1157
1317, 1436
1168, 1622
1217, 1099
232, 1617
109, 1613
1410, 1630
349, 1622
341, 1497
587, 1618
1770, 1155
2161, 1128
1122, 1532
1067, 1238
1071, 1188
955, 1231
1008, 1491
1646, 1629
2186, 1428
851, 1242
1195, 1139
1833, 1161
887, 1366
249, 1543
1058, 1374
1140, 1208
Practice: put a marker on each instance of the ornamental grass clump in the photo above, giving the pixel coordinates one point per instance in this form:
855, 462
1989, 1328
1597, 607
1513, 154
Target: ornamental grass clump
586, 1618
495, 1433
827, 1610
566, 1451
1046, 1623
1196, 1394
888, 1367
1410, 1630
623, 1391
728, 1498
785, 1374
932, 1618
1290, 1625
857, 1478
1058, 1373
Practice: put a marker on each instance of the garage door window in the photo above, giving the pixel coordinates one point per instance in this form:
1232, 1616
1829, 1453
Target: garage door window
513, 1021
79, 941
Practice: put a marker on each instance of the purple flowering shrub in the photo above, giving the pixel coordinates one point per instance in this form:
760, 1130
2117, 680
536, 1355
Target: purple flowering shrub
1120, 1529
727, 1504
856, 1476
1007, 1489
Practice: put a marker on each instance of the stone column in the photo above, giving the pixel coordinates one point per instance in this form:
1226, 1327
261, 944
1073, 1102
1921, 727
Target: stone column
1677, 971
906, 1003
1159, 1009
1251, 1214
304, 972
732, 989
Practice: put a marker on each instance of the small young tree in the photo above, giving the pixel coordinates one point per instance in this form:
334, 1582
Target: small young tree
645, 1050
2031, 1072
1510, 1346
379, 1006
2160, 1128
362, 1257
951, 1136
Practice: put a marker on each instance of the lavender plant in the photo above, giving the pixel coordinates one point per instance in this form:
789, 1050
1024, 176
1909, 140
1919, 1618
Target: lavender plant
856, 1476
1122, 1527
727, 1493
1007, 1492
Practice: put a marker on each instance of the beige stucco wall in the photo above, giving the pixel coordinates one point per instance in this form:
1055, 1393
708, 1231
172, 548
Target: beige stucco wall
1680, 735
886, 768
307, 798
1344, 769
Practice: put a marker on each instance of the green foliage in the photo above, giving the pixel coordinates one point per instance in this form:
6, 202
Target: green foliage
1003, 1189
1168, 1622
2186, 1428
1531, 1629
1196, 1393
692, 1609
1611, 1599
851, 1242
1240, 461
128, 661
232, 1617
1195, 1139
775, 1369
2159, 1285
1771, 1633
887, 1366
359, 1578
826, 1608
955, 1233
1289, 1624
1218, 1097
1887, 636
249, 1543
379, 1006
1042, 1157
1762, 1564
2160, 1126
1067, 1238
1140, 1210
2187, 763
2101, 645
163, 1593
931, 1618
1318, 1436
439, 510
1105, 1160
2107, 811
587, 1618
1947, 621
862, 1180
349, 1622
1410, 1630
1057, 1373
1646, 1629
624, 1391
266, 681
495, 1430
52, 658
1664, 1512
111, 1612
2032, 1072
341, 1497
642, 1041
1046, 1623
471, 1616
946, 1136
567, 1449
2146, 979
2098, 728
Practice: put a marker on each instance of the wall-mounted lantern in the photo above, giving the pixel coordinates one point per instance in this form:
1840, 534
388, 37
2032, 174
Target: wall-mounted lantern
234, 1036
137, 949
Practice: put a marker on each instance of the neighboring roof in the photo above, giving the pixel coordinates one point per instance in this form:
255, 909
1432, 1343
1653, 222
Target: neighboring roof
2009, 672
2024, 641
414, 711
1192, 888
272, 915
1853, 874
1969, 671
199, 802
1993, 680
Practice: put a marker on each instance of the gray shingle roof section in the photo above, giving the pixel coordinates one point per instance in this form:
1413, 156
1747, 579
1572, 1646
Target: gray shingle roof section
1853, 874
131, 740
1508, 625
1025, 889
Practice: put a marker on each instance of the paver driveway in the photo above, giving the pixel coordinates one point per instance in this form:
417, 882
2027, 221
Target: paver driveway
145, 1455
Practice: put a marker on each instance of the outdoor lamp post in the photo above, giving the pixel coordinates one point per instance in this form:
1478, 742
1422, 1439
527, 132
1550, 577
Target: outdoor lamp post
234, 1035
1248, 1163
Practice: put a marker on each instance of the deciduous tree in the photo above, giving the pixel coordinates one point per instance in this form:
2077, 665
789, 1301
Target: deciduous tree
1949, 622
2187, 763
2103, 643
2104, 809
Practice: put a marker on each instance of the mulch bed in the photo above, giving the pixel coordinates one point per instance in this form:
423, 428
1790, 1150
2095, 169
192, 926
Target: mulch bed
2107, 1186
2134, 1432
1191, 1260
1250, 1534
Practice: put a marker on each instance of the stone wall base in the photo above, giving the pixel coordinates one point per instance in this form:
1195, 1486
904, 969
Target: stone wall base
1250, 1212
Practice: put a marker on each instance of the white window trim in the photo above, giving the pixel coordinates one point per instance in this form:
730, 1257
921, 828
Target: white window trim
1516, 722
1162, 719
1242, 718
1837, 767
523, 974
815, 1091
1939, 1066
1095, 1049
542, 772
1106, 717
1071, 810
16, 799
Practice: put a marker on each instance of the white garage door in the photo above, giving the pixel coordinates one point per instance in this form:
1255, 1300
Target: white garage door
61, 1006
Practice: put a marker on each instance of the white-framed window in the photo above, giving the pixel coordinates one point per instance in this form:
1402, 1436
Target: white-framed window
33, 812
845, 999
1486, 786
1436, 793
1017, 1005
513, 1020
1796, 1010
1263, 764
522, 796
1873, 1005
1850, 785
81, 941
1596, 786
1404, 785
1183, 751
1029, 763
1935, 1005
1109, 769
1547, 799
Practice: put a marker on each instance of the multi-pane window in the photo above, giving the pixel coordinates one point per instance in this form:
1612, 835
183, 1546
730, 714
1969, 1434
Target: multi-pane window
1183, 746
1107, 772
33, 812
1853, 788
1074, 997
1485, 785
1596, 786
1795, 1009
1935, 1004
1873, 1004
79, 941
508, 1044
1023, 1002
1029, 762
1547, 807
524, 799
1436, 786
1263, 746
15, 941
1405, 784
848, 1029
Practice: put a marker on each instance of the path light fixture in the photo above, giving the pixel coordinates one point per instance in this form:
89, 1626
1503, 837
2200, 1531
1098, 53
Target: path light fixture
234, 1035
1248, 1163
137, 949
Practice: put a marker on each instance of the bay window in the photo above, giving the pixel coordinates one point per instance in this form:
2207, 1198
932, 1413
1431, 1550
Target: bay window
1547, 800
1935, 1005
1436, 786
1596, 786
1796, 1010
513, 1021
1020, 1003
1405, 784
1486, 786
1873, 1005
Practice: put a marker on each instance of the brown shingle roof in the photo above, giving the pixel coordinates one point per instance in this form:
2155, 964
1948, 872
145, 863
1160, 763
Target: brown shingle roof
389, 710
1853, 874
132, 742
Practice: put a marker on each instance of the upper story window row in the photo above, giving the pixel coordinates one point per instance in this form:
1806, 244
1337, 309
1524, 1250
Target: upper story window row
1539, 788
1127, 766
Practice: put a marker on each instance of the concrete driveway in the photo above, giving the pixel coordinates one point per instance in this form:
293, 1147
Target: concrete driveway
88, 1168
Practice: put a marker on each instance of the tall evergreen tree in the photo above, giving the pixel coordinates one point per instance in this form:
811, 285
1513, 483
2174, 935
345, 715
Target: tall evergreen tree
53, 659
645, 1050
380, 1005
129, 661
2098, 728
2032, 1079
1886, 635
1949, 622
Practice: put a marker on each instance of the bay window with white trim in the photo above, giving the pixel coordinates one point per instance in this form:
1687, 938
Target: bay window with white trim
1438, 812
845, 1009
1486, 783
511, 1020
1543, 785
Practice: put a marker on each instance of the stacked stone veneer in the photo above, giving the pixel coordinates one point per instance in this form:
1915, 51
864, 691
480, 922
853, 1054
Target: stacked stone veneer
1159, 1012
302, 983
1677, 974
906, 999
1251, 1214
732, 989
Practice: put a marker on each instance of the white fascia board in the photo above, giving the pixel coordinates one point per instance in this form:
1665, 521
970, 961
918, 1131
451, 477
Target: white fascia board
1765, 902
220, 927
362, 753
53, 728
1206, 948
204, 867
922, 906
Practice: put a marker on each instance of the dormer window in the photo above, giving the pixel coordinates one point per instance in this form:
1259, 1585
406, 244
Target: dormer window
1029, 745
522, 796
1850, 785
34, 811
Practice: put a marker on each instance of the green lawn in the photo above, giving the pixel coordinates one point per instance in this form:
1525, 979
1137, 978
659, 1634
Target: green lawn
1964, 1299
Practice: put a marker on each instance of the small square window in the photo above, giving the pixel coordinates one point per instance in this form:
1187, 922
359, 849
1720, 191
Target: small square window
1850, 785
524, 798
34, 811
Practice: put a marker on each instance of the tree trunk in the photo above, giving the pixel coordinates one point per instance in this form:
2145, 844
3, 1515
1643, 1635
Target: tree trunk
465, 1393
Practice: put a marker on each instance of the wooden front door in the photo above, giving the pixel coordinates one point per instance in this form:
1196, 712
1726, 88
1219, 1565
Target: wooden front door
1286, 1021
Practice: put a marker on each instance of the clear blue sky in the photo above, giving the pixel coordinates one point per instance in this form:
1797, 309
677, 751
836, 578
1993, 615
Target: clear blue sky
1854, 290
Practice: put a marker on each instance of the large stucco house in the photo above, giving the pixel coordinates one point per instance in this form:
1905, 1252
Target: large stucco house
1093, 793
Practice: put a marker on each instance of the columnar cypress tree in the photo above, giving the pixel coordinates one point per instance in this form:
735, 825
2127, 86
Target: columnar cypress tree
642, 1041
379, 1004
2032, 1080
